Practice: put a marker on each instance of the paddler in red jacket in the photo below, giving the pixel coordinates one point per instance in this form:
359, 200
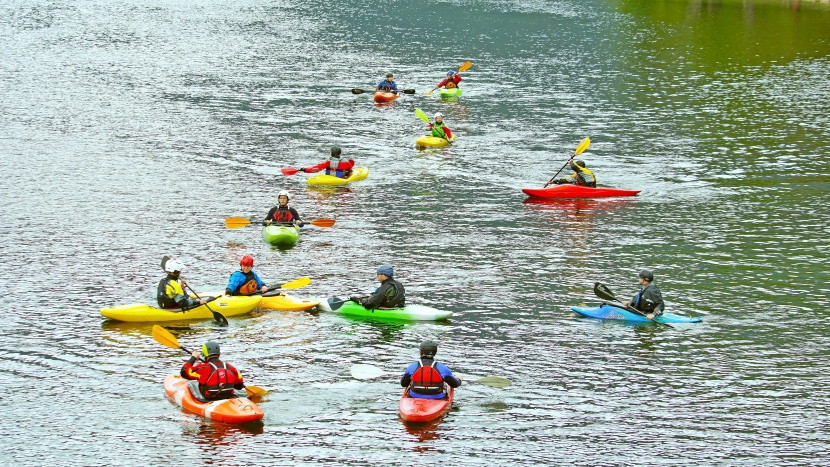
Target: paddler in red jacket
451, 81
335, 166
216, 379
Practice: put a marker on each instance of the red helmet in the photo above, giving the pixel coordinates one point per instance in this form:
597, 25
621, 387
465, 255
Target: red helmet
247, 260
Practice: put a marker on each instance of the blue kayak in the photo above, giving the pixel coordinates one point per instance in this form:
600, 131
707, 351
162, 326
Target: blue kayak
608, 311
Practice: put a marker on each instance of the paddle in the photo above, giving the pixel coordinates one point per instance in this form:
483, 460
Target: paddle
218, 317
295, 284
605, 293
165, 338
579, 150
464, 67
420, 113
239, 222
363, 371
402, 91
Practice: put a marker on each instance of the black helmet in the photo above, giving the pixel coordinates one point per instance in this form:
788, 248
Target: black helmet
335, 151
428, 349
575, 164
210, 348
646, 275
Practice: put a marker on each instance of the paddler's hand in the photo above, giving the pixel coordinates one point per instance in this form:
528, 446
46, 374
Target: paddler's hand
202, 301
196, 354
650, 316
263, 289
626, 303
267, 222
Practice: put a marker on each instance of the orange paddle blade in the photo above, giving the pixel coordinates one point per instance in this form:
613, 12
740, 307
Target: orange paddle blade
237, 222
466, 66
322, 222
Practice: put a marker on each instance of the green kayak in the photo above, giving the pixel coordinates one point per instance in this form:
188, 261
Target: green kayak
281, 236
452, 92
407, 313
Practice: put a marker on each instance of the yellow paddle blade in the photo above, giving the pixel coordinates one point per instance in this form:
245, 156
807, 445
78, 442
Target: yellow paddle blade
583, 146
297, 283
420, 113
163, 337
426, 93
465, 66
255, 391
236, 222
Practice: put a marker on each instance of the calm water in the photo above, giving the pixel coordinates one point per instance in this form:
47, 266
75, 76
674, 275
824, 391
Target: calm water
130, 130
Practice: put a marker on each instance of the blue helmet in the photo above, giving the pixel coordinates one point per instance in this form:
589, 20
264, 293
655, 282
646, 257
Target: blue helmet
451, 72
386, 270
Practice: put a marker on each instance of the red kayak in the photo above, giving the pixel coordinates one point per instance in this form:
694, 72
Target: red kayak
577, 191
424, 410
382, 97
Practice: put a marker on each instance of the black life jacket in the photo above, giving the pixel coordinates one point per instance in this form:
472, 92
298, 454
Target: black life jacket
164, 300
395, 301
283, 215
220, 382
249, 286
426, 379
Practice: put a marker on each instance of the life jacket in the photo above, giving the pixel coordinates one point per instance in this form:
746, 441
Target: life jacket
283, 215
385, 85
585, 177
451, 84
438, 130
397, 300
220, 382
426, 379
168, 288
249, 286
646, 305
334, 168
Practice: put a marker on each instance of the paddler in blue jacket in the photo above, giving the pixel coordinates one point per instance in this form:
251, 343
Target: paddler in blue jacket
426, 377
390, 294
245, 281
649, 300
388, 85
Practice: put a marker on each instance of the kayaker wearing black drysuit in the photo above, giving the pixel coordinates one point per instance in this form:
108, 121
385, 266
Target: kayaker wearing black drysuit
170, 293
390, 294
581, 176
426, 377
649, 300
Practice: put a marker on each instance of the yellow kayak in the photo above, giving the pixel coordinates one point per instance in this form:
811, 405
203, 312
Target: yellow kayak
428, 141
358, 173
278, 302
141, 312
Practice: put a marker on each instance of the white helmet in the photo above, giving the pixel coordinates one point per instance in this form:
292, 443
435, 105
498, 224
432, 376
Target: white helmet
284, 193
173, 266
439, 114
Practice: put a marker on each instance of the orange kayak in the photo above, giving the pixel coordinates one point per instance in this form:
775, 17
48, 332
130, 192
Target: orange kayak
236, 410
424, 410
382, 97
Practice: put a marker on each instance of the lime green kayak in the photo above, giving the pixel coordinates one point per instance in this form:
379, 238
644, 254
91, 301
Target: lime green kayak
407, 313
452, 92
282, 236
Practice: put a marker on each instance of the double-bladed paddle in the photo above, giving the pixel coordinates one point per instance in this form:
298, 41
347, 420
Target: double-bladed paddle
402, 91
464, 67
603, 292
218, 317
579, 150
364, 371
239, 222
165, 338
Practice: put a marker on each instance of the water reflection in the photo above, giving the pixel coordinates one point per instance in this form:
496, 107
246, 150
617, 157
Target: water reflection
427, 431
212, 433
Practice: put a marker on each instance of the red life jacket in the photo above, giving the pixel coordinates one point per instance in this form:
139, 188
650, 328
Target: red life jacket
283, 215
427, 380
220, 382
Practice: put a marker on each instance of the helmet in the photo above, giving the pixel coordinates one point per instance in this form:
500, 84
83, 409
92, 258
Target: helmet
576, 165
247, 260
284, 193
210, 348
335, 151
173, 266
451, 72
439, 114
428, 349
647, 275
386, 270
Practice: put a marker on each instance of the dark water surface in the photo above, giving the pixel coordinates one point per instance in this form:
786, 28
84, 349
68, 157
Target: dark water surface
130, 130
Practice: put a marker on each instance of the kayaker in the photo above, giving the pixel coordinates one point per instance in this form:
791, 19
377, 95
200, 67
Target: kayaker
426, 377
281, 214
335, 166
170, 293
388, 85
649, 300
451, 81
439, 129
581, 176
245, 281
390, 294
216, 379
